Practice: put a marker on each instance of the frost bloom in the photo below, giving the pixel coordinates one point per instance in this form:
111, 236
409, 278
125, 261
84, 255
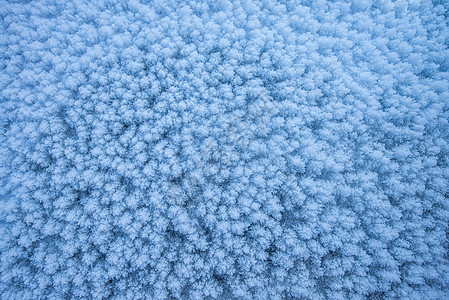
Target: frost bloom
224, 149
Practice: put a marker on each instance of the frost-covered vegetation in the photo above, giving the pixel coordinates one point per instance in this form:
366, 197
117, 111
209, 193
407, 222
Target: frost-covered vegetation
224, 149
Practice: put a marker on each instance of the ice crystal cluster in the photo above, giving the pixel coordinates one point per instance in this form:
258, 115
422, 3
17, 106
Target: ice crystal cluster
224, 149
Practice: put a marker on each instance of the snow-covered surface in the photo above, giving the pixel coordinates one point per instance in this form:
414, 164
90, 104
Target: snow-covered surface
224, 149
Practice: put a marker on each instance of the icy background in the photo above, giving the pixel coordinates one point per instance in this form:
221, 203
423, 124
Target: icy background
224, 149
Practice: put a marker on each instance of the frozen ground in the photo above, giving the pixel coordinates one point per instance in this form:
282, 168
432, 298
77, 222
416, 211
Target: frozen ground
247, 150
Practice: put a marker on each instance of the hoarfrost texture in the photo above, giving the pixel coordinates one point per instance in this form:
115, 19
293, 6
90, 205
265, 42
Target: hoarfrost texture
224, 149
